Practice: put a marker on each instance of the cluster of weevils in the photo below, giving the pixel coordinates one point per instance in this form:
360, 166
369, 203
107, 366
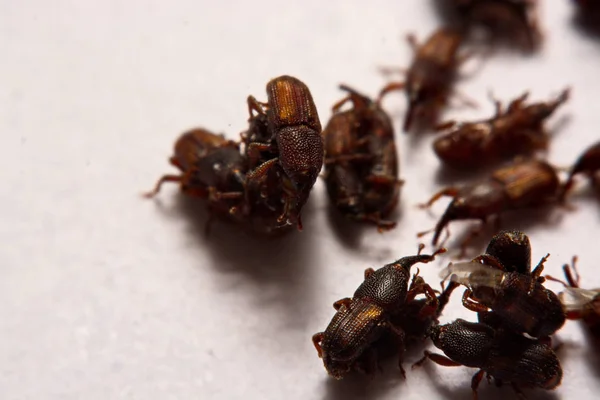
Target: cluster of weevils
263, 181
516, 316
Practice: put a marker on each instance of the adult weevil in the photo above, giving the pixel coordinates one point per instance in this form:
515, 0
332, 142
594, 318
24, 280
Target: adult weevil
579, 304
296, 138
361, 162
523, 184
511, 19
429, 79
517, 130
589, 164
362, 320
519, 300
502, 355
211, 168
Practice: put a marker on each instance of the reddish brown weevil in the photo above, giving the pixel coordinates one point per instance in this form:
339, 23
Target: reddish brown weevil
502, 355
580, 304
512, 19
430, 77
519, 301
296, 138
361, 320
518, 130
212, 168
521, 185
589, 164
361, 162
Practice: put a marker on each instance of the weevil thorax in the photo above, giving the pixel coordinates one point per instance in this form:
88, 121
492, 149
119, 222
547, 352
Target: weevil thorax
465, 342
387, 286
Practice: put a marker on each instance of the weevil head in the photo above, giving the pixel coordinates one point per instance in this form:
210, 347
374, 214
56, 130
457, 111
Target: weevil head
301, 155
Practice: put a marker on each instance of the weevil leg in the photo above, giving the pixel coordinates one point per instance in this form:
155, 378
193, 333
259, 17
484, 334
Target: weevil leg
163, 179
497, 104
254, 150
553, 279
574, 315
317, 339
444, 297
436, 358
475, 381
444, 126
369, 363
416, 280
450, 192
517, 103
369, 272
390, 87
215, 195
342, 302
382, 180
431, 305
255, 105
382, 224
424, 289
572, 274
261, 170
401, 338
471, 304
339, 104
518, 391
537, 271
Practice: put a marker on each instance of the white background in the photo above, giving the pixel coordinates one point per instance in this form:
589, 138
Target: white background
105, 295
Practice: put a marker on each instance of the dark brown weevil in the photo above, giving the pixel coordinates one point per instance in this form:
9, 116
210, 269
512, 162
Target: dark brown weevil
361, 321
430, 77
520, 301
511, 19
579, 304
502, 355
589, 164
517, 130
361, 162
523, 184
296, 138
211, 168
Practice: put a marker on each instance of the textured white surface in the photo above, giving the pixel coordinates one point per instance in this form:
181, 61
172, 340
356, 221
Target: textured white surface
104, 295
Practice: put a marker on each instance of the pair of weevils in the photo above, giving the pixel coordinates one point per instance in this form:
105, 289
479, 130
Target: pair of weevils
265, 179
510, 301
